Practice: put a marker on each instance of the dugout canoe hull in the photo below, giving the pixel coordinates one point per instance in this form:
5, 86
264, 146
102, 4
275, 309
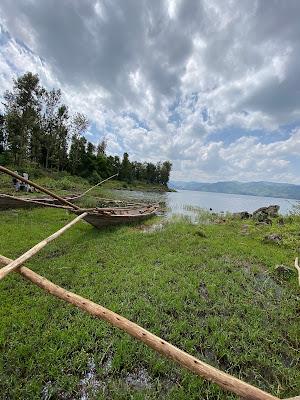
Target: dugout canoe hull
117, 216
7, 201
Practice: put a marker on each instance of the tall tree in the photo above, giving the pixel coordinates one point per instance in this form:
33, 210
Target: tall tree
22, 108
2, 134
126, 169
77, 150
54, 128
165, 172
101, 148
90, 149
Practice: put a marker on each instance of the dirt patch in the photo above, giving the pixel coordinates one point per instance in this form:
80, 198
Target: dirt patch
152, 228
55, 253
203, 291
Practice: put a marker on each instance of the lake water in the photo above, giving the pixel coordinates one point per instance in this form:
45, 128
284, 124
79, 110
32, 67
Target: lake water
184, 202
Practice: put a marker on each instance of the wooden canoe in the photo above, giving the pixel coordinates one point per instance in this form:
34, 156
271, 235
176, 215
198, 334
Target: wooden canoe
101, 217
98, 217
8, 201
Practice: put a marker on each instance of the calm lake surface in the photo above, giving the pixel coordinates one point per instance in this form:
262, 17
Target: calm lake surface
186, 202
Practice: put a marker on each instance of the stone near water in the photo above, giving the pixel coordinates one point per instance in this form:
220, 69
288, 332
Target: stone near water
242, 215
270, 211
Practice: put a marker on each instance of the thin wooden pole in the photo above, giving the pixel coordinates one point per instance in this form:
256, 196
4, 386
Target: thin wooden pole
24, 257
297, 268
224, 380
98, 184
41, 188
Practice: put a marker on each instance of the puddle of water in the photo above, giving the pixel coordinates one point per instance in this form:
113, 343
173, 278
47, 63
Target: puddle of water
139, 379
46, 391
89, 383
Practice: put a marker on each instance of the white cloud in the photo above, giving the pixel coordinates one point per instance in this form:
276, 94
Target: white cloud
186, 69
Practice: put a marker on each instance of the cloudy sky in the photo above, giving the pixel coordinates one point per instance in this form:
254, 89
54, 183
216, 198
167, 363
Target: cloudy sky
212, 85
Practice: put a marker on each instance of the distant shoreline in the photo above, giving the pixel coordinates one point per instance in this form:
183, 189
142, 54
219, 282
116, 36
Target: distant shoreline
238, 194
262, 189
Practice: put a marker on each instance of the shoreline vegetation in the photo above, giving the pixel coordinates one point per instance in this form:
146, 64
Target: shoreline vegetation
223, 289
65, 183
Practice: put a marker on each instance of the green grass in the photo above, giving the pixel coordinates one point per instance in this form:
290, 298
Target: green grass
212, 290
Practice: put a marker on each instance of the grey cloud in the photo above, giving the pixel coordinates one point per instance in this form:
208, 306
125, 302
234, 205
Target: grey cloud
241, 59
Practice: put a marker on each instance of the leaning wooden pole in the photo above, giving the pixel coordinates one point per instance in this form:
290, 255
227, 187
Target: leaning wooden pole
31, 252
224, 380
41, 188
98, 184
297, 268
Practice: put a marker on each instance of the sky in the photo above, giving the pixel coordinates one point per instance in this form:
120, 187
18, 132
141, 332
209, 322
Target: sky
213, 85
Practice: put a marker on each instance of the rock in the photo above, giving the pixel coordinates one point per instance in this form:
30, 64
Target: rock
242, 215
271, 211
273, 238
283, 271
262, 216
280, 221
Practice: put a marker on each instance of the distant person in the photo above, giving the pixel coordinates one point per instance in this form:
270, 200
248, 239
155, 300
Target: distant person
27, 187
16, 182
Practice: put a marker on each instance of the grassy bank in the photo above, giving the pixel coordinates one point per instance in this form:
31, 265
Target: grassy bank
213, 290
64, 183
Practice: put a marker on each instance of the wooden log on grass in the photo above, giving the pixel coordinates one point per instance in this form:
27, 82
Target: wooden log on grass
41, 188
224, 380
31, 252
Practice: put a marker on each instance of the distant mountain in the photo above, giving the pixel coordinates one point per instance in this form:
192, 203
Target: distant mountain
267, 189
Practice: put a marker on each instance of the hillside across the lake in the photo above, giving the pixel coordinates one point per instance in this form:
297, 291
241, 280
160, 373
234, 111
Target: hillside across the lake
267, 189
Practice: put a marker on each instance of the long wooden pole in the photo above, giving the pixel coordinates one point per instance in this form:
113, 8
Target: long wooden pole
41, 188
189, 362
98, 184
297, 268
24, 257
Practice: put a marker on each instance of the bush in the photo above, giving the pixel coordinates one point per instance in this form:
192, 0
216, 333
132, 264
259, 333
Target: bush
94, 178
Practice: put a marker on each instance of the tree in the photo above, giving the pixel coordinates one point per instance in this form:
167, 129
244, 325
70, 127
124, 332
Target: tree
165, 172
151, 173
62, 137
22, 111
2, 134
126, 169
77, 150
90, 149
77, 154
101, 148
54, 133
